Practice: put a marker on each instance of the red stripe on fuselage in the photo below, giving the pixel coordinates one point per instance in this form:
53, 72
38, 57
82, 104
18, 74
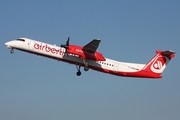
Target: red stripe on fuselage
139, 74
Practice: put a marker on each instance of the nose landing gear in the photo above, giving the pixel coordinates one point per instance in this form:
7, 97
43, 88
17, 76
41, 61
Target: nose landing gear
12, 51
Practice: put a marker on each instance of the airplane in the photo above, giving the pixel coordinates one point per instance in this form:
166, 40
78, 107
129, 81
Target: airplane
88, 57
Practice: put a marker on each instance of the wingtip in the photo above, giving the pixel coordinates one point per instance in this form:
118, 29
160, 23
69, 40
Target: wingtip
97, 39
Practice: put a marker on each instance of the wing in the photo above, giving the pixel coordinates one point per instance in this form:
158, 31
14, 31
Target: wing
92, 46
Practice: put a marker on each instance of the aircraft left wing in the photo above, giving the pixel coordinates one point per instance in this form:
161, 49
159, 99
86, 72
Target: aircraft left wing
92, 46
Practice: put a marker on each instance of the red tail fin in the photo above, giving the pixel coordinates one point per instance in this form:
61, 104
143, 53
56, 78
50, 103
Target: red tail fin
159, 62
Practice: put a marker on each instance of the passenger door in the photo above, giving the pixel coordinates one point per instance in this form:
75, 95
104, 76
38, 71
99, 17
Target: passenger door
116, 67
29, 44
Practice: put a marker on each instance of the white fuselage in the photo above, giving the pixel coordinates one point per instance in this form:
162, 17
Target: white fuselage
58, 53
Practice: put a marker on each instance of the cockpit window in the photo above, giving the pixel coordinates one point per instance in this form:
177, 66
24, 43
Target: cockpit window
20, 40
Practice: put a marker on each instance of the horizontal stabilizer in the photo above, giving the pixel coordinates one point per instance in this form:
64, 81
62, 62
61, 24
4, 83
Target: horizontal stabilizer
168, 53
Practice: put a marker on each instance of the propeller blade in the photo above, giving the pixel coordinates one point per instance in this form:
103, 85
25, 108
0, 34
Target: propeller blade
66, 45
67, 42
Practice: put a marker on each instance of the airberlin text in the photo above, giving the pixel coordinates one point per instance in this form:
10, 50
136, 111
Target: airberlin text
46, 48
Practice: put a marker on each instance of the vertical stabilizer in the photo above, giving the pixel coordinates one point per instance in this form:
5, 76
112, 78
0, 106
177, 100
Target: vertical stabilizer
159, 62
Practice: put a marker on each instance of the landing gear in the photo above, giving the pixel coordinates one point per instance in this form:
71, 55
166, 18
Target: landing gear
78, 68
12, 51
78, 73
86, 68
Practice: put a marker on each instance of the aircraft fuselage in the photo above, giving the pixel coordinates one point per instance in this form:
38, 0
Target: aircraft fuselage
58, 53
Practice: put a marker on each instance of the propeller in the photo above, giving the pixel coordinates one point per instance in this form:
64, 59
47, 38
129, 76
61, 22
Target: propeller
66, 45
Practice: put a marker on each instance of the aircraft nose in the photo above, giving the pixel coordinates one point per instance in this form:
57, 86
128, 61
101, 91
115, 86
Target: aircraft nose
6, 44
9, 44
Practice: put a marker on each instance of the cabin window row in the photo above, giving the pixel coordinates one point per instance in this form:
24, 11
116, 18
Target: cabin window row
104, 63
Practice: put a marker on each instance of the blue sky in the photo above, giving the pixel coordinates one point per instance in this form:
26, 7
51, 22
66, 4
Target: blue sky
38, 88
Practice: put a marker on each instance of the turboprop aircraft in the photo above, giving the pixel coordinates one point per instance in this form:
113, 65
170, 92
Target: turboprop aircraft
88, 57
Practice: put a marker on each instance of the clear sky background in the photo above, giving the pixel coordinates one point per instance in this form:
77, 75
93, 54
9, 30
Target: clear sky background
37, 88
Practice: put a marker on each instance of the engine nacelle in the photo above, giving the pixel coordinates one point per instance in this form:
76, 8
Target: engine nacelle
93, 56
77, 50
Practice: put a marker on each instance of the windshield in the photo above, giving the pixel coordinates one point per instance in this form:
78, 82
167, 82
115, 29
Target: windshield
20, 39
